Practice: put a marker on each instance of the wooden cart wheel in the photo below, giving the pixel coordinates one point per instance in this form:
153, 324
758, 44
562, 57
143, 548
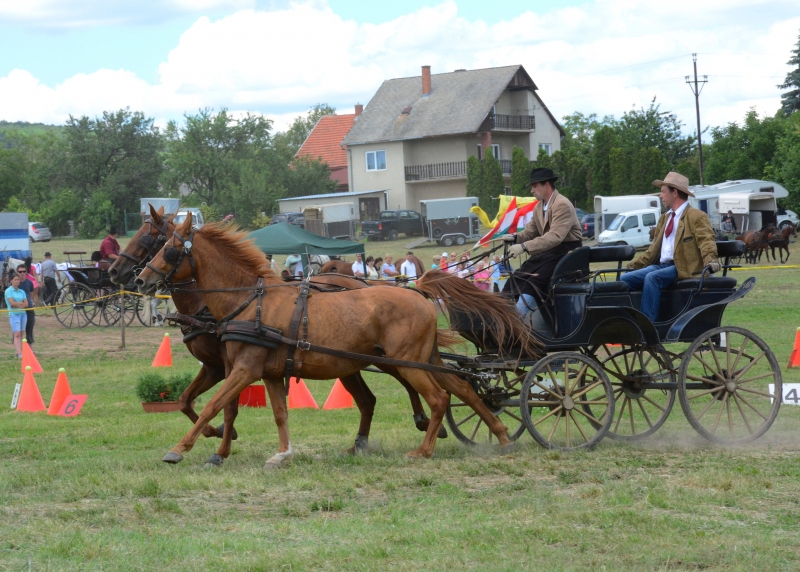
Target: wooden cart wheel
502, 398
570, 401
112, 308
730, 385
639, 412
71, 308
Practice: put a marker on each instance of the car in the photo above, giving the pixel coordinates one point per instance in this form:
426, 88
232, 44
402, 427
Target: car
785, 217
38, 232
181, 215
296, 219
587, 226
581, 213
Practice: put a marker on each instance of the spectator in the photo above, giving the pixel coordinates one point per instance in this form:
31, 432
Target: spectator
435, 266
481, 278
298, 270
388, 270
728, 226
408, 268
109, 248
358, 267
31, 275
17, 300
372, 274
272, 265
27, 286
463, 270
443, 264
291, 263
49, 277
496, 274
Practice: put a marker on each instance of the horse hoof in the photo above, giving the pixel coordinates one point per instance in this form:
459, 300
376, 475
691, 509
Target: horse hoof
172, 458
442, 432
214, 461
508, 448
221, 432
272, 465
349, 452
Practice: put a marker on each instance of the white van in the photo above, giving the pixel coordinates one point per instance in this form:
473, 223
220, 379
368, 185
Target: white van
182, 213
606, 209
630, 227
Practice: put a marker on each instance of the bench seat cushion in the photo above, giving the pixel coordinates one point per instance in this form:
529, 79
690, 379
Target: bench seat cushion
585, 287
713, 282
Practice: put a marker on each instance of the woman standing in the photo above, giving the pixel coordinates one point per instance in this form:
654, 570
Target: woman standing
17, 301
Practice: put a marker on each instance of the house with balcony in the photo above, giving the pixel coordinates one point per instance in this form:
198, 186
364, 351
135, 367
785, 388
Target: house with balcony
415, 135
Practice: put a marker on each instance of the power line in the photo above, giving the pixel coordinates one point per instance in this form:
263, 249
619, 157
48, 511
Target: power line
696, 91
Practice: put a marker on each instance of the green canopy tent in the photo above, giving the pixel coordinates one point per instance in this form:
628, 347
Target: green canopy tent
285, 238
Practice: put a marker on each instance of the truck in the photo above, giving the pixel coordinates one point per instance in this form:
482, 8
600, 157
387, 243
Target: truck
630, 227
330, 221
450, 221
751, 211
14, 242
390, 224
170, 206
707, 198
606, 209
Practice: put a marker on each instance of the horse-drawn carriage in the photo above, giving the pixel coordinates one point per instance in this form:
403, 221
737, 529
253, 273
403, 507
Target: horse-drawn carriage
601, 366
610, 370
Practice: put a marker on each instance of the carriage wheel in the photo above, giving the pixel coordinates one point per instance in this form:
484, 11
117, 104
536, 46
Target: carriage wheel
502, 399
97, 317
158, 311
570, 401
729, 372
640, 412
71, 307
112, 308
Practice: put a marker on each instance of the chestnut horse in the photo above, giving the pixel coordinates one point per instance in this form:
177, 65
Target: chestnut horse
227, 269
210, 351
337, 267
780, 240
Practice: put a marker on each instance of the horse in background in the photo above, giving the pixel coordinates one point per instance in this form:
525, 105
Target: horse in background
780, 240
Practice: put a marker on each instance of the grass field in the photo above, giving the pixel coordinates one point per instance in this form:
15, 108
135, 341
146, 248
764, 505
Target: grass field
91, 493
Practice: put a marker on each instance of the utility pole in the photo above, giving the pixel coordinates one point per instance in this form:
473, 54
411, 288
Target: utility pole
697, 86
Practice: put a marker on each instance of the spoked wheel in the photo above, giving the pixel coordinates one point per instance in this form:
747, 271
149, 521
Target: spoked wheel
158, 310
570, 401
112, 308
724, 385
639, 411
97, 317
501, 397
71, 306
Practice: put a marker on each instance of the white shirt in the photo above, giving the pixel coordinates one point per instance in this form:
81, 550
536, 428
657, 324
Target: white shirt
358, 268
408, 269
668, 242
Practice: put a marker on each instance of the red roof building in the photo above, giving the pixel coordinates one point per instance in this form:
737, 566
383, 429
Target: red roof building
325, 143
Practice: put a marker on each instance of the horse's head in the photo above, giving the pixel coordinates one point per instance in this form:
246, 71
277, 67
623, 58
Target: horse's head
170, 264
145, 243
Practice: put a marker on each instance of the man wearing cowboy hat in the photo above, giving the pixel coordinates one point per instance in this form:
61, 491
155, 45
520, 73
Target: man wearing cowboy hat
552, 232
684, 244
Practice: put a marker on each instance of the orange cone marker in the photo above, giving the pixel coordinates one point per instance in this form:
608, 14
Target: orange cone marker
29, 397
339, 397
29, 359
794, 359
300, 396
60, 393
164, 354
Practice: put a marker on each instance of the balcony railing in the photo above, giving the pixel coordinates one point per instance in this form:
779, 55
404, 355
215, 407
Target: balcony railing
444, 170
514, 122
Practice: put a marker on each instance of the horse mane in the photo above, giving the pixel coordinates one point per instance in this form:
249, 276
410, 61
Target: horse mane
236, 246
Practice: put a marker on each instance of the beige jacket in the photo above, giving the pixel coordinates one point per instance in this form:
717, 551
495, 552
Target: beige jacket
695, 244
544, 231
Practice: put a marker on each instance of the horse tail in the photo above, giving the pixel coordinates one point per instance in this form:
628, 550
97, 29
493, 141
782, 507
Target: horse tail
448, 339
497, 314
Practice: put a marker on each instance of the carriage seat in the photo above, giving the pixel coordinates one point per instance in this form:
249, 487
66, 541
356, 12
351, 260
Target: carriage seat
619, 253
711, 282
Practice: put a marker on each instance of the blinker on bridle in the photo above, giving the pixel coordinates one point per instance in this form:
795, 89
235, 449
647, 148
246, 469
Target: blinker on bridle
175, 257
151, 244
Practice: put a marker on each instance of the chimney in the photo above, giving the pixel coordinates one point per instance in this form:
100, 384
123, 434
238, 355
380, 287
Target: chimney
426, 81
359, 109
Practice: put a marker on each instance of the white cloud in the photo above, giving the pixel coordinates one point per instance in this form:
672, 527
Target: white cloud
281, 61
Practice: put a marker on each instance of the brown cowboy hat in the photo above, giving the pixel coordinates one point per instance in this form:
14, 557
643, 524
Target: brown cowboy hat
676, 181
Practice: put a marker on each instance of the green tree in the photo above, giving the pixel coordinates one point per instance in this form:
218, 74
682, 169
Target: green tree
785, 164
652, 128
604, 141
790, 101
619, 173
474, 178
493, 184
309, 176
520, 172
289, 142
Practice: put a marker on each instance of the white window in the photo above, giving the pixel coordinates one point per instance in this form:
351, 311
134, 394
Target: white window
495, 151
546, 147
376, 160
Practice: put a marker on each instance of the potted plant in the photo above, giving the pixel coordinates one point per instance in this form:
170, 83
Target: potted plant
159, 394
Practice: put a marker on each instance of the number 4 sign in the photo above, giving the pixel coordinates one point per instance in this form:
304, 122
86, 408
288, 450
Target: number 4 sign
72, 405
791, 393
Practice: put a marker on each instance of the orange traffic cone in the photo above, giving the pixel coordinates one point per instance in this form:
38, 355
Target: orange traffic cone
300, 396
29, 359
794, 359
164, 354
60, 393
338, 398
29, 397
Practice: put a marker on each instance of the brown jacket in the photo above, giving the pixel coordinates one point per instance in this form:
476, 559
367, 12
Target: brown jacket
543, 232
695, 244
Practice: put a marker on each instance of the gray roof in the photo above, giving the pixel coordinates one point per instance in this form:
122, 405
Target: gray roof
458, 103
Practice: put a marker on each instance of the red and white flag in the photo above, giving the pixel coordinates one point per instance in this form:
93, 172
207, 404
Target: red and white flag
512, 221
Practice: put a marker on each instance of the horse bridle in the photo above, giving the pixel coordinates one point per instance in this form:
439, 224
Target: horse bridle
169, 253
156, 245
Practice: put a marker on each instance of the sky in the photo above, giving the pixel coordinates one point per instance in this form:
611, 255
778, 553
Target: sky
278, 58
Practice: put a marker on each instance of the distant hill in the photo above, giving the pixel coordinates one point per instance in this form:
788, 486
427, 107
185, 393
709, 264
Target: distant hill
32, 128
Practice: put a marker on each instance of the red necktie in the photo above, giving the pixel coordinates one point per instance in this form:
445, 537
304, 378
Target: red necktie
670, 224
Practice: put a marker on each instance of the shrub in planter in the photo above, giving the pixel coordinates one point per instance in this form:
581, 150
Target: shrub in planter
154, 387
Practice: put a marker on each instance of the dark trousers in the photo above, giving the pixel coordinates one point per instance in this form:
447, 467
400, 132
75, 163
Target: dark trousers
29, 326
50, 289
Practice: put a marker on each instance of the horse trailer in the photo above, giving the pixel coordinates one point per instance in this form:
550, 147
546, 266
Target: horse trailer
450, 221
